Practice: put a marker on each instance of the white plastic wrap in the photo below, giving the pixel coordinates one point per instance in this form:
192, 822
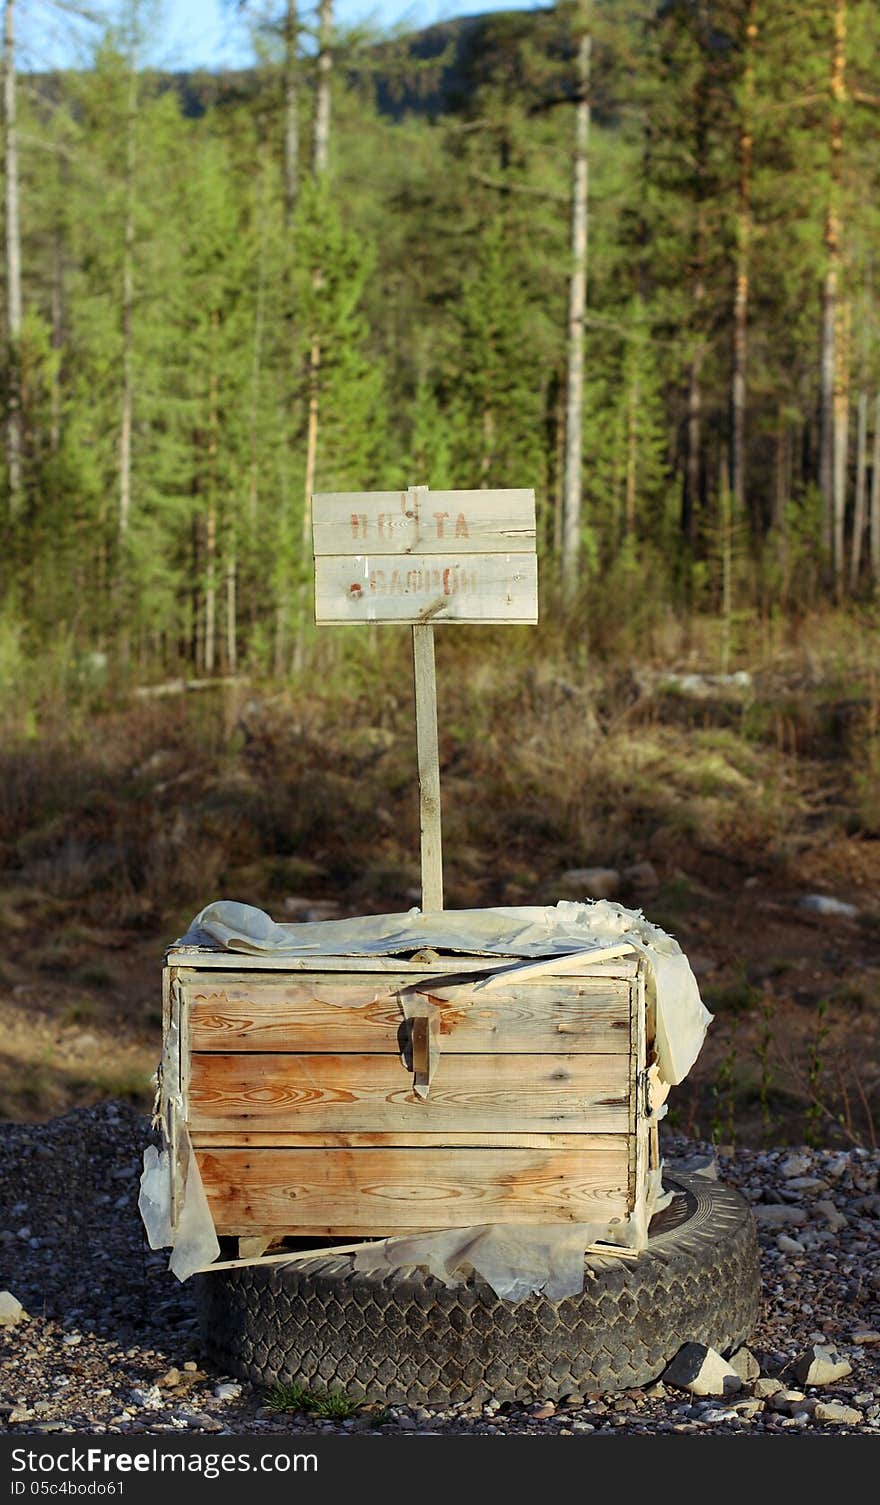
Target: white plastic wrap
569, 930
194, 1240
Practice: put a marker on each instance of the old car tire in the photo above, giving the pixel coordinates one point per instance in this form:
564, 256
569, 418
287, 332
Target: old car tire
405, 1337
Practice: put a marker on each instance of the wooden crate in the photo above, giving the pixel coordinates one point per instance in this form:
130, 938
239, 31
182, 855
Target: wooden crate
304, 1117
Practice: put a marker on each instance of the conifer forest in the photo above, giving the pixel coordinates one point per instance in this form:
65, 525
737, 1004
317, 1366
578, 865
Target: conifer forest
622, 251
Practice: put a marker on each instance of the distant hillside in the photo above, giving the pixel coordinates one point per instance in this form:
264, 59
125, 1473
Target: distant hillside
435, 71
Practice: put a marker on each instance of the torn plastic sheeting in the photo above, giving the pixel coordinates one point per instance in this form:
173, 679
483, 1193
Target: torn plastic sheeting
194, 1240
568, 929
517, 1260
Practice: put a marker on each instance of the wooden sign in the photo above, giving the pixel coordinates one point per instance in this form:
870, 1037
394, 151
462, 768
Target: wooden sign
425, 557
418, 556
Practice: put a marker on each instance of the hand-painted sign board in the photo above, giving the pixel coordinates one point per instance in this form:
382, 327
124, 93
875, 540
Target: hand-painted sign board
425, 557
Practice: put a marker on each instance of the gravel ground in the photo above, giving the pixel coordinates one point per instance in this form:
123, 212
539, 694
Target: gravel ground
111, 1340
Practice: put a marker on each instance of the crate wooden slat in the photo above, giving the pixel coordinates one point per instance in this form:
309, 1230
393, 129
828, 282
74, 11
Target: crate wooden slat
338, 1139
363, 1092
297, 1094
407, 1188
349, 1015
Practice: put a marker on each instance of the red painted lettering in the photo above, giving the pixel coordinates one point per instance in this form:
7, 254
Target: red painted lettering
440, 518
461, 527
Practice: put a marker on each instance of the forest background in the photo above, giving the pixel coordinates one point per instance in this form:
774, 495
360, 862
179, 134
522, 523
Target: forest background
622, 252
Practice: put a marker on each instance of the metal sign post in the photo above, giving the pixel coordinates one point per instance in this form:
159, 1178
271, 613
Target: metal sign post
425, 558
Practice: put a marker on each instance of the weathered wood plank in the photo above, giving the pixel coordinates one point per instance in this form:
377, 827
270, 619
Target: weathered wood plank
190, 959
345, 1015
425, 681
363, 1093
378, 1191
449, 1139
426, 588
423, 522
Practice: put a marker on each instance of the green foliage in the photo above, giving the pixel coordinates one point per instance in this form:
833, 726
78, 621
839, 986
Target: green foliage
329, 1406
413, 311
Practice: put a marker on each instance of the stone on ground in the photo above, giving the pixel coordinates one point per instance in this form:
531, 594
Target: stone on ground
779, 1214
836, 1411
11, 1310
702, 1371
820, 1365
595, 882
744, 1363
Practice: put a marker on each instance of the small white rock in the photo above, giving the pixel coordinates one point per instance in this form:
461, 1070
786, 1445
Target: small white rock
744, 1363
702, 1371
788, 1245
150, 1399
227, 1390
829, 1212
836, 1411
824, 904
820, 1365
796, 1165
11, 1310
779, 1215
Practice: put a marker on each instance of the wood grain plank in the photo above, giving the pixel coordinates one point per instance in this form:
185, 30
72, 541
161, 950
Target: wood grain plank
379, 1191
360, 1093
188, 960
423, 522
347, 1015
426, 587
427, 745
414, 1139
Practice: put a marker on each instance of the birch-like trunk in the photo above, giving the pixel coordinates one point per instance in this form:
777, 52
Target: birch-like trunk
231, 615
211, 517
632, 452
57, 302
832, 471
291, 114
14, 421
320, 157
743, 256
781, 495
126, 416
577, 303
841, 437
859, 518
874, 533
321, 144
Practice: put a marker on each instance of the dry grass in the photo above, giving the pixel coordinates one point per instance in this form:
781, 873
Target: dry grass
119, 820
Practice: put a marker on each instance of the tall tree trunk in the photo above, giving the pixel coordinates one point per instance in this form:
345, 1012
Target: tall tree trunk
781, 495
321, 143
858, 531
875, 499
577, 303
231, 614
743, 255
559, 467
14, 422
632, 451
488, 443
57, 301
211, 517
841, 437
831, 471
291, 114
320, 157
127, 310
